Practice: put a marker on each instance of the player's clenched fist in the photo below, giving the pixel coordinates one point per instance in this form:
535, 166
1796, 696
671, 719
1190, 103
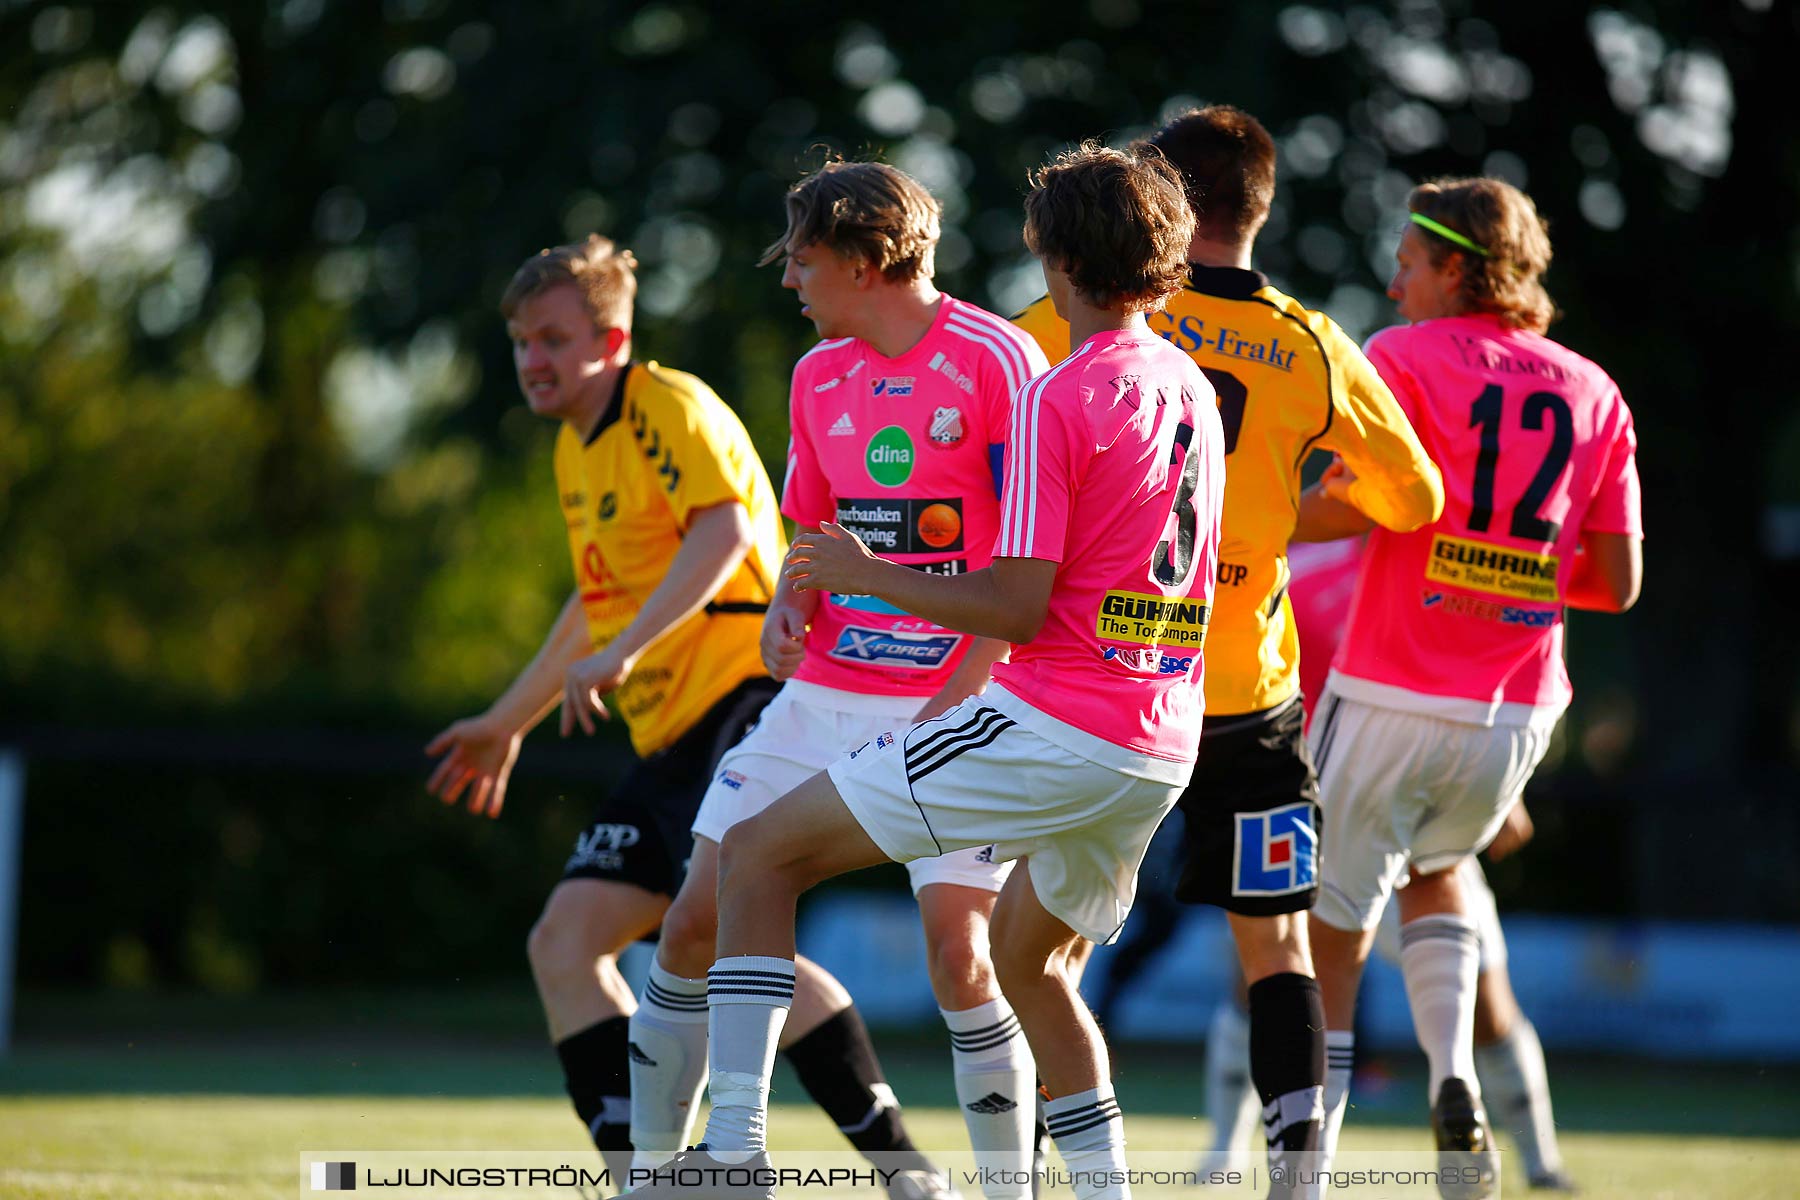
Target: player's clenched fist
783, 641
478, 751
831, 559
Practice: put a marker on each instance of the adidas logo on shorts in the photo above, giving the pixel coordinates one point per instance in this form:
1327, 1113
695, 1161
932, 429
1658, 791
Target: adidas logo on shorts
992, 1105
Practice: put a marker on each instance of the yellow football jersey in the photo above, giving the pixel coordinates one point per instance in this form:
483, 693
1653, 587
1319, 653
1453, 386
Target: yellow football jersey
1289, 381
666, 447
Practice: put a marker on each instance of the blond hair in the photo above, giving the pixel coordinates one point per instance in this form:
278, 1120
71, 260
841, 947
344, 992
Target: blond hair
1503, 221
865, 210
604, 275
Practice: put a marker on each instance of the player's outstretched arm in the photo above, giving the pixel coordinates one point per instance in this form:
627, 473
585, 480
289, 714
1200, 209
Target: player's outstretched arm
479, 752
1393, 479
1326, 512
1609, 570
1006, 601
714, 545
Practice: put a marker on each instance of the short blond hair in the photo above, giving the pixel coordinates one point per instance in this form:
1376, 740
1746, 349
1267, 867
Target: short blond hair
604, 274
865, 210
1502, 220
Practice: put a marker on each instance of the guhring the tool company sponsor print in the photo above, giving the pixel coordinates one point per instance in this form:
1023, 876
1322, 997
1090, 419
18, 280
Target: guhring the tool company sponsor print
1481, 567
1148, 620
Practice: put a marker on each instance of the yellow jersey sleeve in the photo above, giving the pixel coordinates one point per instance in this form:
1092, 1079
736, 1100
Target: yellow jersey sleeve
1397, 485
1048, 330
697, 459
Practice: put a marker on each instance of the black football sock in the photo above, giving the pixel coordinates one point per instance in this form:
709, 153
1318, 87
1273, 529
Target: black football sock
598, 1078
837, 1066
1287, 1062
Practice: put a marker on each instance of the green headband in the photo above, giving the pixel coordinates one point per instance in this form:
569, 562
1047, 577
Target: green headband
1448, 234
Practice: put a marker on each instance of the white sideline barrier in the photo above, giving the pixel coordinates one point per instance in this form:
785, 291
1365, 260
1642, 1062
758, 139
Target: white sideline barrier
12, 828
1658, 989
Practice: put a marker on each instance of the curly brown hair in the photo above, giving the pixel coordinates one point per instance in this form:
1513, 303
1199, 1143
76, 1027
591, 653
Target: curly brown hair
1502, 220
604, 274
1118, 223
865, 210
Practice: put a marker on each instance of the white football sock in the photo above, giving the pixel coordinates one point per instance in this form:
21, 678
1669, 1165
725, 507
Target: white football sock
996, 1086
1440, 959
668, 1065
1089, 1133
748, 997
1516, 1087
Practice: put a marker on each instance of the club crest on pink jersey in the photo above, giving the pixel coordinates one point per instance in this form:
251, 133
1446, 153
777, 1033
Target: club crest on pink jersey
946, 427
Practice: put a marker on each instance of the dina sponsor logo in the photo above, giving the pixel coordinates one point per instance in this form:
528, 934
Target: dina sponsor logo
889, 458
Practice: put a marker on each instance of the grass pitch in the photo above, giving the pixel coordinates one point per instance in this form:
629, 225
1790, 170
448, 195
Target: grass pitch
190, 1114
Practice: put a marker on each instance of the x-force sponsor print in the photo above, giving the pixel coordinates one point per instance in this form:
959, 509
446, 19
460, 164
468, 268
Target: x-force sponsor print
894, 648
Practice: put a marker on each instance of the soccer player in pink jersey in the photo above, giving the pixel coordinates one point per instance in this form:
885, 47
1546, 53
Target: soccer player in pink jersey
898, 418
1450, 677
1101, 579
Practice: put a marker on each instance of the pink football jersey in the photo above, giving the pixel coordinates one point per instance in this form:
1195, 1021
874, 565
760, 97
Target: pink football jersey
1321, 581
904, 452
1463, 618
1115, 470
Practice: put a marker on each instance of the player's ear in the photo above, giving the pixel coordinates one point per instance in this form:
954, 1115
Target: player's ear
616, 340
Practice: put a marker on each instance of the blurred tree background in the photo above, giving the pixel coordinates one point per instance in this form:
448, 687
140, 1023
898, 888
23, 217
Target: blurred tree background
271, 510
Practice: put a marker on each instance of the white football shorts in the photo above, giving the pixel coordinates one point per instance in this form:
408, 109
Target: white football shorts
1405, 792
802, 731
974, 777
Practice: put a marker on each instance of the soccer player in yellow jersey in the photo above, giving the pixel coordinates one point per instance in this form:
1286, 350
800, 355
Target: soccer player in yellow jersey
1289, 382
676, 540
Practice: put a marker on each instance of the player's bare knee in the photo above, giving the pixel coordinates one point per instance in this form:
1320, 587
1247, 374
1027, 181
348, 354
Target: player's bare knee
1026, 971
558, 946
961, 975
749, 860
570, 935
689, 933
